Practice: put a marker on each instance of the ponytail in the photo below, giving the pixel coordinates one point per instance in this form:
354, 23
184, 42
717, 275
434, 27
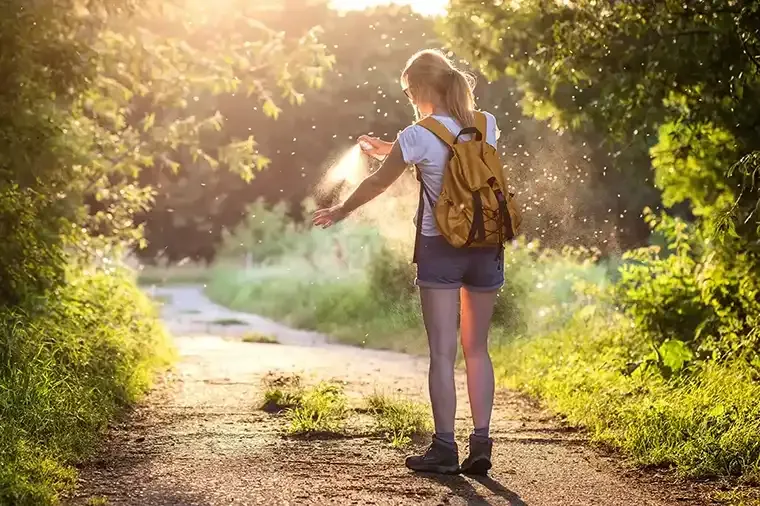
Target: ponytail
459, 98
430, 73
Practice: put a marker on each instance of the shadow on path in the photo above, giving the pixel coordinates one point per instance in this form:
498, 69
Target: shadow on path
461, 487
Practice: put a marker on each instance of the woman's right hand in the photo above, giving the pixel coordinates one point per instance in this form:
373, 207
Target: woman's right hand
374, 146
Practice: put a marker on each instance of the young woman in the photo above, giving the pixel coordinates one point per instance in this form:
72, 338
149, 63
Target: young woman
437, 88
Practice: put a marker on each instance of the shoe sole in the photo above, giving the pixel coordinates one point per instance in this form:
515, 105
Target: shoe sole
478, 467
436, 469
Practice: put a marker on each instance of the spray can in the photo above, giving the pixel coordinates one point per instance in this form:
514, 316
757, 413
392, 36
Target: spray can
366, 147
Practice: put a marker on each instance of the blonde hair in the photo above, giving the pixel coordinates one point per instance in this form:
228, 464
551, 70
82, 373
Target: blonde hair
430, 75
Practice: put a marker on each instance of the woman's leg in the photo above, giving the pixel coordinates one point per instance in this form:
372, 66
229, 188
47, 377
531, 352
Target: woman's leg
440, 308
477, 310
439, 312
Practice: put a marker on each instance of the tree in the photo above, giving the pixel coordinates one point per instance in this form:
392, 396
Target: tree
74, 132
674, 81
362, 94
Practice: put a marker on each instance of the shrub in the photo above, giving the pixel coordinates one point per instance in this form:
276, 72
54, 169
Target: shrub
65, 370
31, 250
539, 293
391, 276
705, 423
697, 294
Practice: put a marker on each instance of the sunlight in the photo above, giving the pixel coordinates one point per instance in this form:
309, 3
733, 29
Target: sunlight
424, 7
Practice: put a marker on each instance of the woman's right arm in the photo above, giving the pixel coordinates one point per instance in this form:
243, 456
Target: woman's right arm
375, 146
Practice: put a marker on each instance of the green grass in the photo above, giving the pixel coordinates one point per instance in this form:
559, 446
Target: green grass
705, 424
228, 322
740, 496
97, 501
323, 410
399, 420
281, 393
320, 410
343, 308
66, 369
189, 273
256, 337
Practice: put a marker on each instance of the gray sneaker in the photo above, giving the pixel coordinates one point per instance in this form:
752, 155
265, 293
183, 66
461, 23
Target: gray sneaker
479, 459
439, 458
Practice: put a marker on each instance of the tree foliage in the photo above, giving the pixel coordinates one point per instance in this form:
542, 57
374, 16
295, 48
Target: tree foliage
671, 87
560, 177
96, 92
681, 78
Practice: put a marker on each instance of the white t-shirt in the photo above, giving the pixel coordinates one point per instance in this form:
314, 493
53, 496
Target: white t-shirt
422, 148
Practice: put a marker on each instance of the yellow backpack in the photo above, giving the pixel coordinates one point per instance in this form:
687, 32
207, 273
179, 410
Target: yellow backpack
475, 208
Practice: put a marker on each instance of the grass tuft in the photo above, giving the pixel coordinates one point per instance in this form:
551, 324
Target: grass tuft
257, 337
228, 322
281, 393
399, 420
321, 410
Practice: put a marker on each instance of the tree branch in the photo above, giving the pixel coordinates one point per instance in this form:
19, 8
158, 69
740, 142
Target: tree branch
745, 46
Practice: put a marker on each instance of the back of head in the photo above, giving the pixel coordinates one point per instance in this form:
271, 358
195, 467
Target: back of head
432, 77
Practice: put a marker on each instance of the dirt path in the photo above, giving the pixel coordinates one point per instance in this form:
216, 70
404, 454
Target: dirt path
199, 438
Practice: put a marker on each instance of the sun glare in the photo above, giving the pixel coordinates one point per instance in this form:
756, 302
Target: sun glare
424, 7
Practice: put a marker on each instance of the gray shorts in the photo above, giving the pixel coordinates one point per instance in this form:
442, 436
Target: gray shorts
441, 265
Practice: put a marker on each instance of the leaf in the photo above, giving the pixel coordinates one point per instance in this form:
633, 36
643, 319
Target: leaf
675, 354
587, 312
271, 109
149, 121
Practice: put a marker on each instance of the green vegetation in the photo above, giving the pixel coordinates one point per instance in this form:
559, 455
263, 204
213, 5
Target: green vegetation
399, 420
256, 337
316, 410
90, 106
321, 410
705, 422
190, 273
282, 393
65, 371
323, 275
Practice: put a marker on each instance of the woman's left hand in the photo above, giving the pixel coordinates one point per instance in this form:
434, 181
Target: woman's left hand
326, 218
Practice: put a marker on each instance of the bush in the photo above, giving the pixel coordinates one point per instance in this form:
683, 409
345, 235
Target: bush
706, 424
271, 237
65, 370
539, 293
31, 250
391, 277
699, 293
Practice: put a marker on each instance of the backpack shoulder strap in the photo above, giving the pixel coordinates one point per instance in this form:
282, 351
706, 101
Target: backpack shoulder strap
437, 128
481, 123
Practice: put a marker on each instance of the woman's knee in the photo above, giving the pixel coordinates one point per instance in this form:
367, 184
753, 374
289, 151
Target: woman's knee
474, 350
443, 358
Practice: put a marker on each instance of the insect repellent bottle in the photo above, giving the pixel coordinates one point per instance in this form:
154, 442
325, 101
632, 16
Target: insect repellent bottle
366, 147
